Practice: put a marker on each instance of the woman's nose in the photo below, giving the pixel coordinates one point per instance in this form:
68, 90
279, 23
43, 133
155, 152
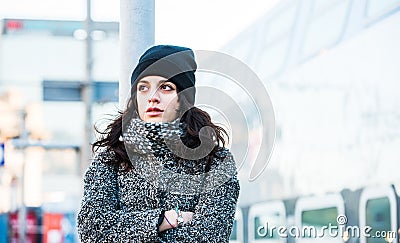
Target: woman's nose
155, 98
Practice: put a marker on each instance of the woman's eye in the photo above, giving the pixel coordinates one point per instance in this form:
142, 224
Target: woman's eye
142, 88
167, 87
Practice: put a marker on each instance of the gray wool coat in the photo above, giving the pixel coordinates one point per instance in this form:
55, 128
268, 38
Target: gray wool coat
125, 206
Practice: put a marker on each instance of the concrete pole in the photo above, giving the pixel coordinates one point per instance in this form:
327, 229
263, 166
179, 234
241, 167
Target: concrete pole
136, 31
87, 95
22, 210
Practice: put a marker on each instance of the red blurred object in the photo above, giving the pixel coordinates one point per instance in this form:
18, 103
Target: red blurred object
32, 225
14, 25
52, 227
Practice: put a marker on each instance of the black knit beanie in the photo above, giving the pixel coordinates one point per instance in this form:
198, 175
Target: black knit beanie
175, 63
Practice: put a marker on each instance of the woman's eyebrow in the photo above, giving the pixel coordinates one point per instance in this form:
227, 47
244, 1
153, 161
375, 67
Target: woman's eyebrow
159, 82
163, 81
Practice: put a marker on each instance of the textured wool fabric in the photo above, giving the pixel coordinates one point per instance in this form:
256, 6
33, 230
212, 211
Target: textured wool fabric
120, 206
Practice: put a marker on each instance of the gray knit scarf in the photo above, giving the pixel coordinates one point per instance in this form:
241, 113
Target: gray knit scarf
150, 147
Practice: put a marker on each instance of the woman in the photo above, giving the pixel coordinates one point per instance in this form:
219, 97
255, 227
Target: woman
155, 176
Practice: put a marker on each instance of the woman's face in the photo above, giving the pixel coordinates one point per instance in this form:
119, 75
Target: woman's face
157, 99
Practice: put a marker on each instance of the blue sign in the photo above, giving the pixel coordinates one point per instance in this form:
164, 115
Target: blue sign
72, 91
4, 228
1, 154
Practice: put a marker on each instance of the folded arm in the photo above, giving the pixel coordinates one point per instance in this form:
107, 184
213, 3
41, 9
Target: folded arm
100, 218
215, 212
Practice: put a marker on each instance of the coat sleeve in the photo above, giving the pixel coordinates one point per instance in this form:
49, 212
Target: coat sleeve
213, 216
100, 218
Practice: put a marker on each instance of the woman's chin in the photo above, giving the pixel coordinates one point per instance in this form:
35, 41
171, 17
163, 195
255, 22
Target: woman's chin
155, 119
161, 117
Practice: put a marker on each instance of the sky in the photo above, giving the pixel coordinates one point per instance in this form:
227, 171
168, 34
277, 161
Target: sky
205, 24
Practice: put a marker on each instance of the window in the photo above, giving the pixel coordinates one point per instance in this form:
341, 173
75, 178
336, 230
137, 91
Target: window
234, 231
322, 6
325, 26
378, 217
270, 221
272, 58
274, 49
266, 232
379, 7
280, 24
317, 219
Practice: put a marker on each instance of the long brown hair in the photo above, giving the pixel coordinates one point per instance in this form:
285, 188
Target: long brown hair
193, 117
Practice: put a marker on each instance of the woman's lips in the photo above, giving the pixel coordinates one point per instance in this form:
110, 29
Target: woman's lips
154, 111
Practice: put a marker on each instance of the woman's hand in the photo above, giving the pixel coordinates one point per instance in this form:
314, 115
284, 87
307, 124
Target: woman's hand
187, 216
172, 217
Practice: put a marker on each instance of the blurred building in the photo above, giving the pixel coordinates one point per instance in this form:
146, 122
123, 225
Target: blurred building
42, 67
331, 69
